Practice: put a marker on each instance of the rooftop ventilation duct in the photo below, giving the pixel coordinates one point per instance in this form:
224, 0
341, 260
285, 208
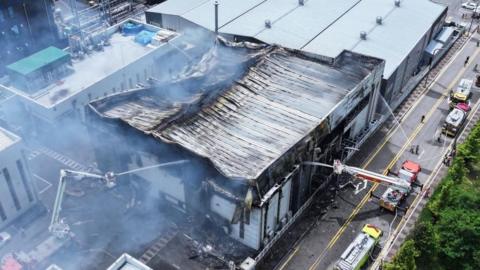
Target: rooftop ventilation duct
379, 20
363, 35
301, 2
268, 24
397, 3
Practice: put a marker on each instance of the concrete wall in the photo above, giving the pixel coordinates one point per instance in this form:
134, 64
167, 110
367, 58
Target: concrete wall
14, 170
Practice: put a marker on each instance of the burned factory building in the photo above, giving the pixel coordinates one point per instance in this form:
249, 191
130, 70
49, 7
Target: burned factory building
247, 118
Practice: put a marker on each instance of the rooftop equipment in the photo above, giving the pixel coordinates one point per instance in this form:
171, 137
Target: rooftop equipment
130, 28
144, 37
363, 35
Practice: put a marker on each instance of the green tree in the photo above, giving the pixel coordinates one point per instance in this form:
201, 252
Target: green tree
459, 237
405, 259
426, 241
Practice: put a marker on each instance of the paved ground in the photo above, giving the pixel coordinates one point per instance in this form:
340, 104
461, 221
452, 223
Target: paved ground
335, 231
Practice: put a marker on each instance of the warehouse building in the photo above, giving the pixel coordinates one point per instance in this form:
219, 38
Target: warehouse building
246, 132
397, 31
17, 191
53, 85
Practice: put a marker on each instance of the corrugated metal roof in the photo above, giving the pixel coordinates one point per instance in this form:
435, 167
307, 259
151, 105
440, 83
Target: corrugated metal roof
391, 41
255, 120
179, 7
325, 27
38, 60
292, 25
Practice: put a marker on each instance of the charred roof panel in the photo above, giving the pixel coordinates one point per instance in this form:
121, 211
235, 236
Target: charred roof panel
253, 121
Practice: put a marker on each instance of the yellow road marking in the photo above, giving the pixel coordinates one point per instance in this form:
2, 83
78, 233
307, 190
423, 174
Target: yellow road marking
418, 197
394, 160
289, 258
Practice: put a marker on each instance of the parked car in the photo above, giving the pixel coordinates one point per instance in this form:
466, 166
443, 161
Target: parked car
469, 5
4, 238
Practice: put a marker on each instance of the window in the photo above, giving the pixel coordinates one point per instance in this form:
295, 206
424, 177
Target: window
130, 83
28, 189
6, 174
138, 78
122, 86
114, 90
2, 18
145, 74
2, 213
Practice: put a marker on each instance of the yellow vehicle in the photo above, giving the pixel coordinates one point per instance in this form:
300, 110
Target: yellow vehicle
454, 122
462, 93
358, 252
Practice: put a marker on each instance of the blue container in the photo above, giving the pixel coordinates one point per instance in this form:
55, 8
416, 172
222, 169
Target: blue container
130, 28
144, 37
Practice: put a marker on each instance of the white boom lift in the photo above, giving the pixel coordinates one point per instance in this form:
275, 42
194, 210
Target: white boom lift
58, 226
366, 176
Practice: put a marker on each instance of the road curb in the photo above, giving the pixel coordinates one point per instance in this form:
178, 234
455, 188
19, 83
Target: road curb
408, 227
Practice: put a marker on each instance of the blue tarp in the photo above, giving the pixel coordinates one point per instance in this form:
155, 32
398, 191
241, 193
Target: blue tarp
144, 37
131, 28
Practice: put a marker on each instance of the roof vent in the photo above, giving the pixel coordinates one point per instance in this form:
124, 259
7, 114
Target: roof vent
363, 35
379, 20
397, 3
268, 24
301, 2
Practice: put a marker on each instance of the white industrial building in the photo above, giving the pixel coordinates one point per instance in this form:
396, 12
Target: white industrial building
127, 262
63, 82
17, 191
397, 31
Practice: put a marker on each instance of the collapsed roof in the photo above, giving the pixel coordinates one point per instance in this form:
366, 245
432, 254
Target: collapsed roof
241, 119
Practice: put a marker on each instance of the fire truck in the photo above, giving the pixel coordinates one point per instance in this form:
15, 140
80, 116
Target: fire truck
395, 195
462, 93
454, 122
358, 252
398, 187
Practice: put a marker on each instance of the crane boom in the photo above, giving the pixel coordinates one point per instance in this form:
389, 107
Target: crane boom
363, 174
57, 226
61, 229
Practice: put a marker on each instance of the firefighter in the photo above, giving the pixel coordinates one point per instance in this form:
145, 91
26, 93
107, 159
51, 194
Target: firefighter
466, 61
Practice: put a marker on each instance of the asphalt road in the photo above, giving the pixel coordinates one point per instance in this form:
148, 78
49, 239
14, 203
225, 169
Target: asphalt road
324, 244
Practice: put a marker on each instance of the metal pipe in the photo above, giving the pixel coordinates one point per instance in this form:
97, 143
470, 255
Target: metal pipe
28, 20
216, 17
